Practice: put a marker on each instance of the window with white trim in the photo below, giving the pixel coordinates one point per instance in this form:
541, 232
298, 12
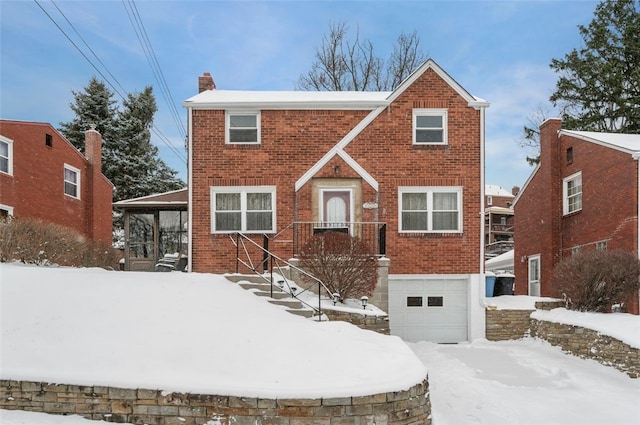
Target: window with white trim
243, 209
242, 127
6, 155
71, 181
5, 212
429, 126
572, 193
430, 209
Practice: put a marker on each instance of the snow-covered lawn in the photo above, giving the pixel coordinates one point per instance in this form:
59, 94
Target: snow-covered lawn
175, 331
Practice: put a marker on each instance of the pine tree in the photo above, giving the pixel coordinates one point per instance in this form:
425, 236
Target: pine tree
599, 84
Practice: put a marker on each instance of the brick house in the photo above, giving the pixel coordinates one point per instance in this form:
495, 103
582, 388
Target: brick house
583, 195
407, 164
43, 176
498, 220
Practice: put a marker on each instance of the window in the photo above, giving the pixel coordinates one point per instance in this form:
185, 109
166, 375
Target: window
414, 301
48, 140
601, 245
71, 181
489, 200
575, 250
243, 209
6, 156
569, 155
435, 301
5, 212
243, 127
572, 193
429, 126
430, 209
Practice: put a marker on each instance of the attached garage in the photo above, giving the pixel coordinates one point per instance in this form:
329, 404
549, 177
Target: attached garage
429, 308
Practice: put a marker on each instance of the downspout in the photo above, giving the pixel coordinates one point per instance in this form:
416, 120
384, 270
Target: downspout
190, 188
482, 165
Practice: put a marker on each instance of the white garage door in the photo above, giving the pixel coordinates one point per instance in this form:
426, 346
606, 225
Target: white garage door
428, 309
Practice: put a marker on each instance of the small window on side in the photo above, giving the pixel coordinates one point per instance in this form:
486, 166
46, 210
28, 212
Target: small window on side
71, 181
48, 140
435, 301
569, 155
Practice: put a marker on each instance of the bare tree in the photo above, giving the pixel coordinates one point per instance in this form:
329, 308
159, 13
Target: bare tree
530, 138
343, 65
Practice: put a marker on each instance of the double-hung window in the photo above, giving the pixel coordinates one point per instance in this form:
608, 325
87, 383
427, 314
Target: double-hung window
6, 156
71, 181
429, 126
243, 127
572, 193
243, 209
430, 209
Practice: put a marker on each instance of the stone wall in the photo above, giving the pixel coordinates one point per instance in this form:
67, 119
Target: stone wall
589, 344
507, 324
141, 406
378, 324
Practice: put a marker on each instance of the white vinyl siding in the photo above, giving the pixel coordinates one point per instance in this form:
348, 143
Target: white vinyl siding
572, 193
242, 127
71, 181
429, 126
243, 209
430, 209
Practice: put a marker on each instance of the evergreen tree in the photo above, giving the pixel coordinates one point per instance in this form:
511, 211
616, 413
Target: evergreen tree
599, 84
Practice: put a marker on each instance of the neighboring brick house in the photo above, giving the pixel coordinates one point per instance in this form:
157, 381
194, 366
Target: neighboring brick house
292, 163
583, 195
498, 220
43, 176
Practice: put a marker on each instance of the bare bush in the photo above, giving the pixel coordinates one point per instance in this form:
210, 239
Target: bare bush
37, 242
343, 263
597, 280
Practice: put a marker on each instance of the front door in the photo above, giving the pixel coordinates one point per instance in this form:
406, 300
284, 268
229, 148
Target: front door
335, 208
140, 242
534, 276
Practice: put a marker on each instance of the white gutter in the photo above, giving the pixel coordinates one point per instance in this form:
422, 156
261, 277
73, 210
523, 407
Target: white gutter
190, 188
482, 165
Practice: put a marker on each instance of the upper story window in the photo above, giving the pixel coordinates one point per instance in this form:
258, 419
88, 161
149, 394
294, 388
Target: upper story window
243, 209
6, 156
71, 181
429, 126
430, 209
243, 127
572, 193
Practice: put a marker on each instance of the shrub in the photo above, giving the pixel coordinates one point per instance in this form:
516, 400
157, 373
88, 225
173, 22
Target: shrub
37, 242
343, 263
597, 280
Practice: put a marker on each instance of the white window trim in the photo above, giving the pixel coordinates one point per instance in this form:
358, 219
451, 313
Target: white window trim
64, 181
7, 208
227, 127
529, 280
434, 113
9, 142
430, 190
565, 198
243, 190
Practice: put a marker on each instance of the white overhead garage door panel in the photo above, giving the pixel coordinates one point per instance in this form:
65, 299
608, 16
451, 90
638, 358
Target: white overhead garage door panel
429, 308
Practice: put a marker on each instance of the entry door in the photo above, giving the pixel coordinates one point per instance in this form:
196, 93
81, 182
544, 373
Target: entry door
534, 276
141, 249
336, 207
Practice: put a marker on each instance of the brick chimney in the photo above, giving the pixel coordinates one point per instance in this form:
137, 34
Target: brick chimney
205, 82
93, 148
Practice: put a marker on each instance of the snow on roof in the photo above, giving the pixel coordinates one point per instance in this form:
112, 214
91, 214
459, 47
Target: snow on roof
496, 190
627, 142
240, 98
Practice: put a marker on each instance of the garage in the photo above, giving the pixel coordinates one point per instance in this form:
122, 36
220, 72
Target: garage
433, 308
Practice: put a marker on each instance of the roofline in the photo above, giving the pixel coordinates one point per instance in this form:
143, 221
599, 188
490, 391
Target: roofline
148, 199
524, 187
572, 133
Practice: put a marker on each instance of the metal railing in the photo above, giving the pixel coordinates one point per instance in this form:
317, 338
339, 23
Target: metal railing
265, 270
373, 234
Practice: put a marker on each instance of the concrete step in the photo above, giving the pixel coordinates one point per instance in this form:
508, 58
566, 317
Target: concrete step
244, 277
277, 295
303, 313
288, 302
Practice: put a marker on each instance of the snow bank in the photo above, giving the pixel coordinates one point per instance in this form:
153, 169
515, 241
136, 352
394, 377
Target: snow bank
184, 332
515, 302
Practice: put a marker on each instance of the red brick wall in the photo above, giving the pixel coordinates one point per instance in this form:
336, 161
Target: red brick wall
609, 205
293, 141
36, 189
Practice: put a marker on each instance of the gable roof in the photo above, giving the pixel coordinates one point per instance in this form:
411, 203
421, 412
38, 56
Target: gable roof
629, 143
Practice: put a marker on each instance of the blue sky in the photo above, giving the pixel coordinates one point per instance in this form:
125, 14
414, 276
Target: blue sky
498, 50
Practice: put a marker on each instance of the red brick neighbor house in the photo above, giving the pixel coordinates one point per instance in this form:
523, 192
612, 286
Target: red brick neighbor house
43, 176
582, 196
403, 170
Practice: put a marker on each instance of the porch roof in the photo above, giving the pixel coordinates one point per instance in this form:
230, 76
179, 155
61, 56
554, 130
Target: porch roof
175, 199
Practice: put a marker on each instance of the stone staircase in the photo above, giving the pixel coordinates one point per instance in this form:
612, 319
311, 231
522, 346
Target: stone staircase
280, 297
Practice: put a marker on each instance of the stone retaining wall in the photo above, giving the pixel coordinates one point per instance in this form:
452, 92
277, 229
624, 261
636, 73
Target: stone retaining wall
140, 406
503, 325
378, 324
589, 344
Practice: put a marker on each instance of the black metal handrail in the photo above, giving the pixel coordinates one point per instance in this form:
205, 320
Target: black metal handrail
373, 234
269, 261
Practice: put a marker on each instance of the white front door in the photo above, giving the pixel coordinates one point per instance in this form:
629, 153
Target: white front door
335, 207
534, 275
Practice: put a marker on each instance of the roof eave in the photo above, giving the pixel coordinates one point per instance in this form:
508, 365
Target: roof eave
326, 105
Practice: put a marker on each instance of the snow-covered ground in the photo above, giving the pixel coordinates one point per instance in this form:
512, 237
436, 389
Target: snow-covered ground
103, 326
